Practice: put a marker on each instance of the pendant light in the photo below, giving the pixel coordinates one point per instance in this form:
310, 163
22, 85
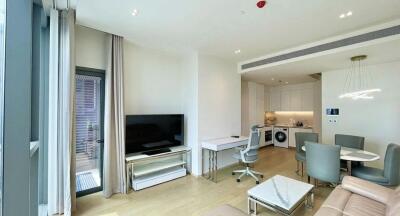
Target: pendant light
358, 80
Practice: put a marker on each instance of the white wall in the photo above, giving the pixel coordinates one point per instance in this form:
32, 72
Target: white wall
378, 120
91, 47
190, 69
219, 102
205, 88
153, 81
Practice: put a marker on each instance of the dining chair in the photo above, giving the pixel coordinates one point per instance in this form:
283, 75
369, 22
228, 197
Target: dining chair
323, 162
389, 176
349, 141
300, 156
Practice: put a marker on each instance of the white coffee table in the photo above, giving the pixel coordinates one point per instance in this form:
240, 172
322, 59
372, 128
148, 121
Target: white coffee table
280, 194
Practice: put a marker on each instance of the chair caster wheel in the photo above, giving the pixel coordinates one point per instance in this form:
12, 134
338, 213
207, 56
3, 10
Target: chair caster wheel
257, 182
261, 176
233, 173
237, 180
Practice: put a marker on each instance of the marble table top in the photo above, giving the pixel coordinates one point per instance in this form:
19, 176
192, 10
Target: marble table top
352, 154
281, 191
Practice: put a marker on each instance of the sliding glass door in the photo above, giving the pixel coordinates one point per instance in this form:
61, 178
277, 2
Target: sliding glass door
89, 130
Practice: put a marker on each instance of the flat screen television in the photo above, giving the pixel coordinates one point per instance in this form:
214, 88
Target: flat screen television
153, 133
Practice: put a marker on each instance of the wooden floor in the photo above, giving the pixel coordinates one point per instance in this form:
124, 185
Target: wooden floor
195, 195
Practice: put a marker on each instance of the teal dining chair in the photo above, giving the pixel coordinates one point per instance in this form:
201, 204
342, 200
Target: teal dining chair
389, 176
323, 162
300, 156
349, 141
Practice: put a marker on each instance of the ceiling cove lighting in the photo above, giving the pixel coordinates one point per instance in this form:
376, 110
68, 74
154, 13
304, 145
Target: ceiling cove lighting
358, 81
294, 112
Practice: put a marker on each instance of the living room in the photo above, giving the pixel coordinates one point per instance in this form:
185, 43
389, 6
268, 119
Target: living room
209, 108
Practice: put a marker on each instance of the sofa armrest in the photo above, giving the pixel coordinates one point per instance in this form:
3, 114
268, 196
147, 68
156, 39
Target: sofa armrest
367, 189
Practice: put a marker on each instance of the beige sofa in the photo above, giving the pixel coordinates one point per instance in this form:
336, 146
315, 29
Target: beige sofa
357, 197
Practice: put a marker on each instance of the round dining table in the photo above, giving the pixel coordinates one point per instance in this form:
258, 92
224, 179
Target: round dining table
356, 155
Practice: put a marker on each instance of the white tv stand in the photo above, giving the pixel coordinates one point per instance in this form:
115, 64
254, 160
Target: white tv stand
144, 171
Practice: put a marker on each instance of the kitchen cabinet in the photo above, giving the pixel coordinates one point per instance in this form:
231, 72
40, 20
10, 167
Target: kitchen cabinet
292, 134
307, 99
285, 100
275, 99
298, 97
295, 100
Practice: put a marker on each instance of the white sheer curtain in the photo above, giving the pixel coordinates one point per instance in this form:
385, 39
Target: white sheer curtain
114, 121
61, 150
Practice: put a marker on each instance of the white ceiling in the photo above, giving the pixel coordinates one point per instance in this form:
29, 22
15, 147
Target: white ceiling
219, 27
298, 72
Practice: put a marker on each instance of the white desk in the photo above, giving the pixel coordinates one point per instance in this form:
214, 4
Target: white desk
213, 146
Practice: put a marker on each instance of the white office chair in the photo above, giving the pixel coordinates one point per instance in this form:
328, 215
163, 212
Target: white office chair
249, 155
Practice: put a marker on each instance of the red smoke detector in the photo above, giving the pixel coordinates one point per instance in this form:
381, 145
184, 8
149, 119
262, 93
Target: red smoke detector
261, 4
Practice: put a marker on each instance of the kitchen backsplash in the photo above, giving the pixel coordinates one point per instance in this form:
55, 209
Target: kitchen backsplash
279, 118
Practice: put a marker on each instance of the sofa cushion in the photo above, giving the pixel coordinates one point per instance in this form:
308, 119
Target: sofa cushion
359, 205
367, 189
393, 206
337, 199
225, 210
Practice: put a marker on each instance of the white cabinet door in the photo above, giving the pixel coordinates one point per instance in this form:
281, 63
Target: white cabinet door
260, 110
275, 99
307, 99
252, 103
286, 99
262, 139
295, 100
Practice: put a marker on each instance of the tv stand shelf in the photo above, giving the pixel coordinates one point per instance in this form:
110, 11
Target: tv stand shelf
140, 166
156, 166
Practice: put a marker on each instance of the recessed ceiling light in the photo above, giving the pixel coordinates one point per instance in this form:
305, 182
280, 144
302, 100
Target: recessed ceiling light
272, 79
135, 12
349, 13
287, 82
237, 51
345, 15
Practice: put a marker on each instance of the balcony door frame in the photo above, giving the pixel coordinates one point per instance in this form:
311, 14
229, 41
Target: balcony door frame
101, 74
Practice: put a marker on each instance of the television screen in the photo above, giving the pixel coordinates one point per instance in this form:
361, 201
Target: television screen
152, 132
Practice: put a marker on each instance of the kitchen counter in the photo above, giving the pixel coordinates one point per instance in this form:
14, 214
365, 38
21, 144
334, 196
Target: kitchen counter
291, 126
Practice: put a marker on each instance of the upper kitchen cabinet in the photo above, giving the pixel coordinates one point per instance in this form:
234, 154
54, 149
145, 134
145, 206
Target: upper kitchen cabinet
307, 99
274, 99
298, 97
